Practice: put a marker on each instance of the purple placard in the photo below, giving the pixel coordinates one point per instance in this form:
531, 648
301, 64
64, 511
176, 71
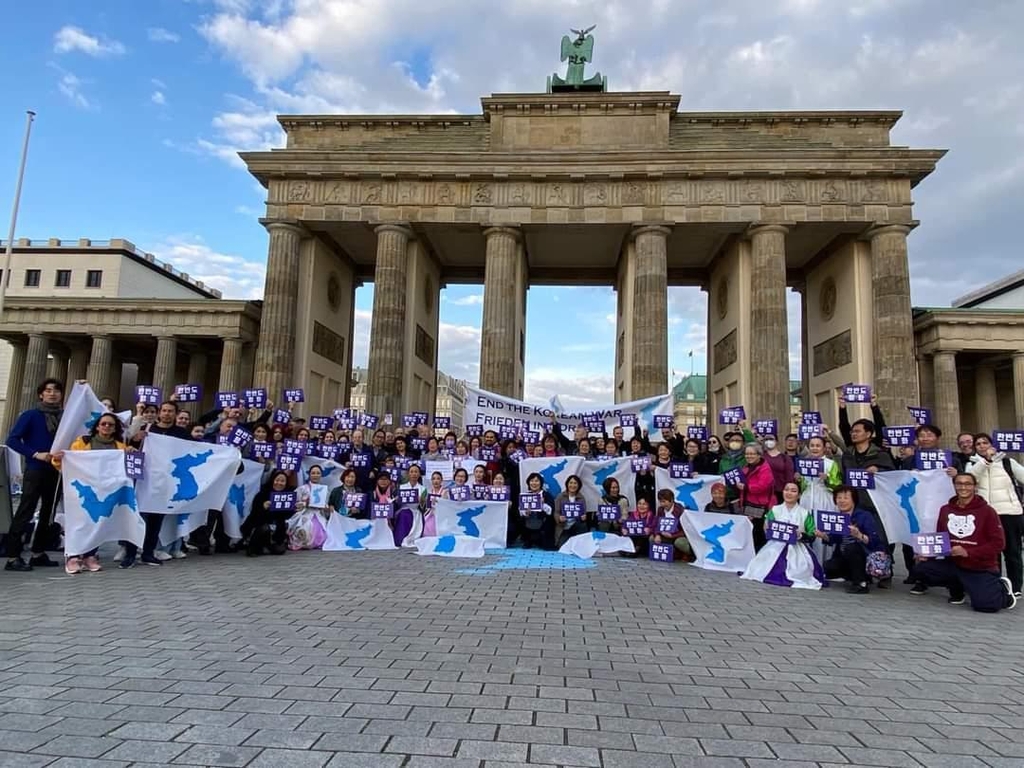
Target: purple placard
932, 459
479, 491
355, 500
530, 502
404, 462
408, 497
857, 393
764, 427
346, 423
239, 437
807, 431
729, 416
489, 454
640, 463
227, 400
188, 393
393, 472
733, 476
697, 433
831, 522
680, 470
810, 417
1008, 440
342, 413
668, 524
409, 421
460, 493
860, 478
920, 415
329, 452
289, 462
281, 416
627, 420
507, 432
360, 460
320, 423
294, 447
148, 395
593, 424
255, 398
442, 422
531, 436
294, 396
381, 510
931, 544
572, 509
633, 527
369, 420
422, 417
282, 501
263, 450
609, 513
899, 436
808, 467
662, 553
134, 464
499, 493
664, 421
774, 530
418, 443
475, 430
518, 455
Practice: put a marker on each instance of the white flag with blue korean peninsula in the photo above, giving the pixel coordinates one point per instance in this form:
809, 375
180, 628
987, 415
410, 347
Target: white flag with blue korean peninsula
720, 542
347, 534
99, 501
450, 545
554, 470
176, 527
594, 473
909, 502
487, 520
183, 476
586, 545
331, 471
693, 493
82, 409
244, 487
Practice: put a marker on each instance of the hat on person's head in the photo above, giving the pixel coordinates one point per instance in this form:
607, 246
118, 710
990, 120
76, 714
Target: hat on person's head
718, 487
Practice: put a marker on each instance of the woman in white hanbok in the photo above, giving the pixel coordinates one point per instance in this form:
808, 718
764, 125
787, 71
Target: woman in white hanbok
784, 564
816, 492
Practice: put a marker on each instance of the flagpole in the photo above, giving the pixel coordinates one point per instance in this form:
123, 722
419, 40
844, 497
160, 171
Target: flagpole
5, 276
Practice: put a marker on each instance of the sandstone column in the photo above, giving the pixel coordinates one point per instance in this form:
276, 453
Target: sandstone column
78, 365
499, 338
231, 366
649, 366
1018, 388
926, 381
805, 355
987, 403
165, 364
57, 366
99, 371
895, 377
197, 375
769, 332
387, 325
947, 395
15, 377
35, 369
275, 356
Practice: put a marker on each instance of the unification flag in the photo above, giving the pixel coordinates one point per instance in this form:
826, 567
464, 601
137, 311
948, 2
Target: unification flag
586, 545
346, 534
99, 501
487, 520
909, 502
331, 471
450, 545
183, 476
244, 487
720, 542
82, 409
176, 527
594, 473
693, 493
554, 470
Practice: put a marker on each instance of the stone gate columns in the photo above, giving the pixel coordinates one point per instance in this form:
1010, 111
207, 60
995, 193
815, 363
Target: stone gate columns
387, 329
769, 331
947, 395
275, 356
35, 369
987, 403
649, 373
165, 364
197, 375
78, 365
231, 368
15, 377
895, 369
100, 362
500, 336
1018, 388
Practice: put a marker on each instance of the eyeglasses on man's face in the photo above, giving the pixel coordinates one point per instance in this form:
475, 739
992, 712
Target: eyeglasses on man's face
967, 484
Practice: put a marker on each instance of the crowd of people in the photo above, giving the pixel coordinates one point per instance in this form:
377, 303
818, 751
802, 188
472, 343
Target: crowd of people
984, 518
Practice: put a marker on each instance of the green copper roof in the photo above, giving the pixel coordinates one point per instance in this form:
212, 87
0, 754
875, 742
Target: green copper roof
693, 388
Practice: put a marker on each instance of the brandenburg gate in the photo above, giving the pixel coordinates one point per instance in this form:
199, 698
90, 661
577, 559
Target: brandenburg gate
593, 188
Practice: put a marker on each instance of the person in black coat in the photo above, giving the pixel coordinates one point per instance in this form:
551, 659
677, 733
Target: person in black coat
265, 529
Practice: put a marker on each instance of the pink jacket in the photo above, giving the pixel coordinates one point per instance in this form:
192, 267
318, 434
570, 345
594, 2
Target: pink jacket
759, 485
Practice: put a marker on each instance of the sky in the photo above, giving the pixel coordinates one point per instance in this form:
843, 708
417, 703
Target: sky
143, 106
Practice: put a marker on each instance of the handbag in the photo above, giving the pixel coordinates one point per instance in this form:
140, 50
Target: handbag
879, 565
753, 510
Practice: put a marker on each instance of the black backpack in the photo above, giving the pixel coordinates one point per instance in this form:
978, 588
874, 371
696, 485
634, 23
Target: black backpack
1008, 468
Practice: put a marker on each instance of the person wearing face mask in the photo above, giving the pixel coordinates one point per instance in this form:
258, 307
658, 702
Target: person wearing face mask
733, 457
781, 465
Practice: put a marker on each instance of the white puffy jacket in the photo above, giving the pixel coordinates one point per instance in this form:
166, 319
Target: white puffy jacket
995, 486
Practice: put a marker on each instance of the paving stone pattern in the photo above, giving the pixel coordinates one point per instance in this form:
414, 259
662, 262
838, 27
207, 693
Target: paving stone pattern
389, 660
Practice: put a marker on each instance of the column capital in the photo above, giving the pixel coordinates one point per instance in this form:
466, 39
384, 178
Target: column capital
944, 353
759, 228
400, 227
166, 337
283, 226
650, 229
37, 335
1019, 355
510, 231
878, 229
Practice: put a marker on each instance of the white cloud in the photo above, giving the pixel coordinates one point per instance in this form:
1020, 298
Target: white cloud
158, 98
158, 83
472, 300
235, 276
68, 39
161, 35
70, 86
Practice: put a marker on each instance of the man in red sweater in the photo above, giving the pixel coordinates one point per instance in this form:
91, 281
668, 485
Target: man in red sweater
976, 540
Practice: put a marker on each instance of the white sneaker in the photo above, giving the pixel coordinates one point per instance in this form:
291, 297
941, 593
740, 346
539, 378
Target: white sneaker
179, 555
120, 554
1009, 593
161, 555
